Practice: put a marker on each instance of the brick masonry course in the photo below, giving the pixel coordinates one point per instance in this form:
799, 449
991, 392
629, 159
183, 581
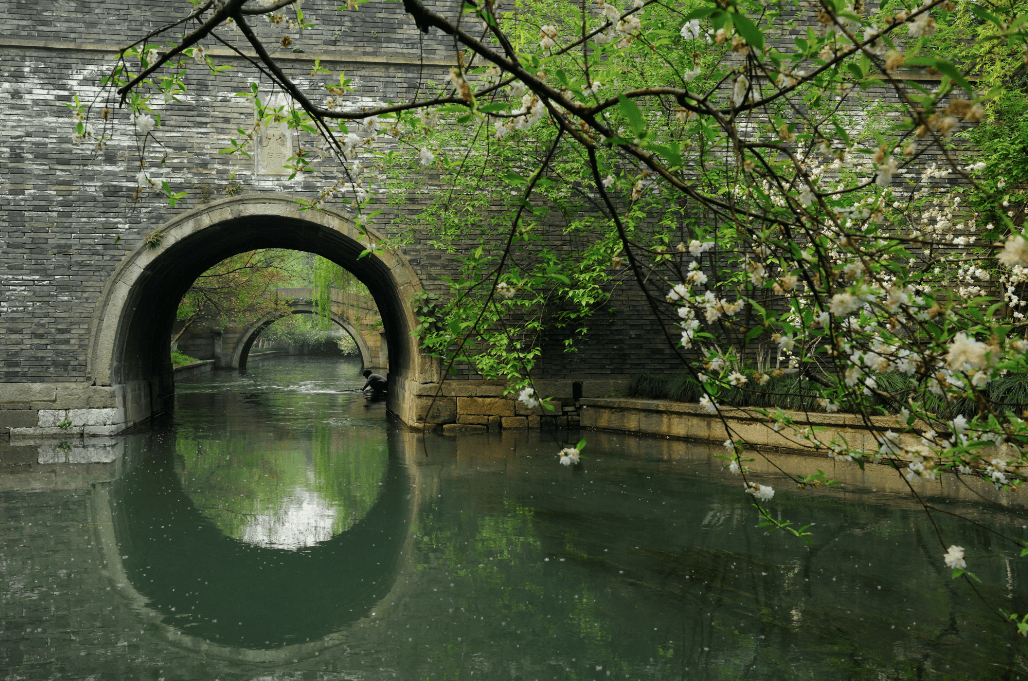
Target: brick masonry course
69, 214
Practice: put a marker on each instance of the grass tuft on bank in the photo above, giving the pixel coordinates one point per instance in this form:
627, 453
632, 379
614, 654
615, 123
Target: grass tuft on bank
179, 359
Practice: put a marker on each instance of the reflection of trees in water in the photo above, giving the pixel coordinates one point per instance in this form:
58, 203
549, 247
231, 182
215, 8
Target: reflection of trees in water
273, 491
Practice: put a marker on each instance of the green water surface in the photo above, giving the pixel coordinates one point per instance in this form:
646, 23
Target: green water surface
278, 525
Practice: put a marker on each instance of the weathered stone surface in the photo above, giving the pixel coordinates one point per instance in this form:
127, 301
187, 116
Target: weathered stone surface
80, 452
473, 419
443, 409
24, 393
85, 397
490, 406
515, 422
521, 410
689, 421
534, 421
17, 418
93, 417
455, 428
52, 418
77, 418
474, 388
495, 423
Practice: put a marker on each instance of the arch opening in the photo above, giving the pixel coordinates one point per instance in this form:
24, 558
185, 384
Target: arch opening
251, 335
133, 321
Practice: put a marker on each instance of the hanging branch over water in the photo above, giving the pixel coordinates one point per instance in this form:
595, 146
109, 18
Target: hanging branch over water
768, 196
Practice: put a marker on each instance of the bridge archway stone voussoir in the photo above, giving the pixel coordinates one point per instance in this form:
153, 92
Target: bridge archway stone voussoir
135, 311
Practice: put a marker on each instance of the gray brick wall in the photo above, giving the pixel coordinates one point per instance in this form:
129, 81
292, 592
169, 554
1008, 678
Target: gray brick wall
69, 216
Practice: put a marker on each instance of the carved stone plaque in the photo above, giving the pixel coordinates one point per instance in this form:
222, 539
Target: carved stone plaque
274, 145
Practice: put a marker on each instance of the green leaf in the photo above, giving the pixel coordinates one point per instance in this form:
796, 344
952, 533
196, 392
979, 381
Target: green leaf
947, 69
633, 114
985, 15
493, 107
748, 30
581, 444
672, 153
841, 131
701, 12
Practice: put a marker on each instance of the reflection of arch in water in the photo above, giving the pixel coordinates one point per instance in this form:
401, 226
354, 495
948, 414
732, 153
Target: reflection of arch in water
132, 321
246, 340
389, 561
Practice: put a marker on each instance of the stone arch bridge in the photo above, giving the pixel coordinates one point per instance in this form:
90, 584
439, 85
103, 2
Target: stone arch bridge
354, 314
91, 272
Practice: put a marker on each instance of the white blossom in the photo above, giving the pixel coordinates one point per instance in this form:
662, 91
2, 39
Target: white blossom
144, 124
739, 91
698, 248
528, 398
843, 303
954, 558
426, 156
569, 456
885, 172
708, 405
1015, 252
629, 25
679, 291
959, 425
429, 118
761, 492
922, 25
967, 353
549, 33
806, 196
890, 444
691, 30
696, 276
829, 406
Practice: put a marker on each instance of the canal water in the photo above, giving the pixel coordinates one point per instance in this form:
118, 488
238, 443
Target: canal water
278, 525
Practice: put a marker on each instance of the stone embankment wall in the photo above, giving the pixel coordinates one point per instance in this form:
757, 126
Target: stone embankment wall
194, 369
692, 422
809, 433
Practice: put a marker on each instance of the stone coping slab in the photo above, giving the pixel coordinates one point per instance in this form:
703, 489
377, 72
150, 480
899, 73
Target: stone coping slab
745, 413
693, 422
